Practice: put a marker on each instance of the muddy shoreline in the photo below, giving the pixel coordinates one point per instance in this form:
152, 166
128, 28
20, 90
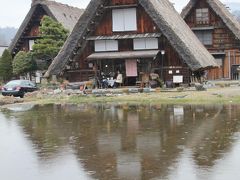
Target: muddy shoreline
218, 95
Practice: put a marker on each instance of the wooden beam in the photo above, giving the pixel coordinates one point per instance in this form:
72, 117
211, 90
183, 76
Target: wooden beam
121, 6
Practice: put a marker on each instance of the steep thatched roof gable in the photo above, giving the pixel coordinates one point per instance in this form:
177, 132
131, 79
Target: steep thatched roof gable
64, 14
166, 18
181, 37
219, 8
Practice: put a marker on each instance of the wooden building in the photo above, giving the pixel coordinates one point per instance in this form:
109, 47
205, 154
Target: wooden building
29, 29
219, 31
135, 37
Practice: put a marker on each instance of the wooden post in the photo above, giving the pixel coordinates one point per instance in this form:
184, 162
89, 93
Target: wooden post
229, 65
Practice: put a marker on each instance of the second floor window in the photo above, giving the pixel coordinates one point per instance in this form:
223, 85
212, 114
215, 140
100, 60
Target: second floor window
106, 45
124, 20
145, 43
30, 44
202, 16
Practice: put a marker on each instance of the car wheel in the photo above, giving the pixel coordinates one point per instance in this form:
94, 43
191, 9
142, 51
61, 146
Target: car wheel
21, 95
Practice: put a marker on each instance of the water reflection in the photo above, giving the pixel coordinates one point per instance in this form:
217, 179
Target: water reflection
20, 108
114, 141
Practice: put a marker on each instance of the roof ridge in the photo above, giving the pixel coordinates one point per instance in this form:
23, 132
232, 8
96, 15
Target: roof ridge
35, 2
49, 2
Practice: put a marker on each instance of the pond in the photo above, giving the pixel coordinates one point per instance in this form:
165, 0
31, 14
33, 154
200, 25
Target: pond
112, 141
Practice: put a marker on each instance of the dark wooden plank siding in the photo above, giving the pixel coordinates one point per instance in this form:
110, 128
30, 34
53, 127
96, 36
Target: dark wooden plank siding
80, 70
125, 45
32, 30
79, 75
171, 60
105, 26
223, 40
144, 24
123, 2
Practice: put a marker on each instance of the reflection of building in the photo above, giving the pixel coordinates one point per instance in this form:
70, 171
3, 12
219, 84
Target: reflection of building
178, 112
135, 37
129, 166
219, 31
2, 48
141, 143
149, 143
109, 143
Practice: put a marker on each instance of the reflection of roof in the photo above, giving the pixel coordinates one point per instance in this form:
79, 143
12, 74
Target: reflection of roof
20, 108
64, 14
162, 12
219, 8
123, 55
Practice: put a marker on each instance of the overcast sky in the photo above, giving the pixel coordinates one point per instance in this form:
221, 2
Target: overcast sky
12, 12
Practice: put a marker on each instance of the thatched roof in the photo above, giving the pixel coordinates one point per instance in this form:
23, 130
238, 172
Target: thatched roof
125, 36
5, 46
172, 26
123, 55
64, 14
221, 10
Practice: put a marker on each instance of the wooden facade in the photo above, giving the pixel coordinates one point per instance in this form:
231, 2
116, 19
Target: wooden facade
31, 32
166, 65
136, 37
2, 48
28, 32
225, 47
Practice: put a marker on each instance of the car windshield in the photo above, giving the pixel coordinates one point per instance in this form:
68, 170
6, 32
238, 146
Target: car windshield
13, 83
22, 83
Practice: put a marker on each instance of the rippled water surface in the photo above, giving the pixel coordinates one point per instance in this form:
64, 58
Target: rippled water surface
60, 142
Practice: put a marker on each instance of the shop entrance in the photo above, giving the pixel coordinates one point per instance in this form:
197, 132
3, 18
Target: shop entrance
132, 70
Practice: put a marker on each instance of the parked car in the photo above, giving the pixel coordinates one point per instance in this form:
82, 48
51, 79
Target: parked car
18, 88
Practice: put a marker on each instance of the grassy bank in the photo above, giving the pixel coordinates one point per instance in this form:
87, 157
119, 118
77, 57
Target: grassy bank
229, 95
